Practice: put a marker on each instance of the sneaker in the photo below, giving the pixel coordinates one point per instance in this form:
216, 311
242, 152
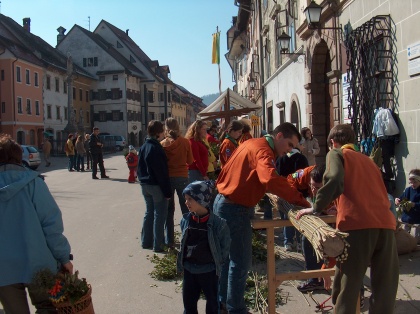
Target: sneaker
288, 247
311, 285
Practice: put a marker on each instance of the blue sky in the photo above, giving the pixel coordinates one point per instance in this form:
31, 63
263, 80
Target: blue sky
177, 33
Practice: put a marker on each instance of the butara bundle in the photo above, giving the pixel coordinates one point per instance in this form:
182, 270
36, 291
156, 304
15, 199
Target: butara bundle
326, 241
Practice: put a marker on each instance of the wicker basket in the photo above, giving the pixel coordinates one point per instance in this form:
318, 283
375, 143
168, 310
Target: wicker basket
83, 306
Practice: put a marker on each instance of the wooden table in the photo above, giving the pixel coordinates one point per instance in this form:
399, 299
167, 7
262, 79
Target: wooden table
275, 280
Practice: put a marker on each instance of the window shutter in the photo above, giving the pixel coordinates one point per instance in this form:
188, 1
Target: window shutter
95, 61
108, 94
96, 117
121, 116
109, 116
120, 94
84, 62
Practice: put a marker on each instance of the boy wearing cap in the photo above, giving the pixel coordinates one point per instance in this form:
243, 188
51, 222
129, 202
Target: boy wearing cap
204, 248
132, 159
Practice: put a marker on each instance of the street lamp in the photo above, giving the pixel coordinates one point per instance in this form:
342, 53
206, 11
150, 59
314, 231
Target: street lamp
313, 16
252, 84
313, 13
284, 42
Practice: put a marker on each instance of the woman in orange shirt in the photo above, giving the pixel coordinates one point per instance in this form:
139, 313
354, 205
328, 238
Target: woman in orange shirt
229, 140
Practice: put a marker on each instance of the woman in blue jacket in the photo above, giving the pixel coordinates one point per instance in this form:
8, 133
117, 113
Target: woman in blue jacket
31, 232
155, 185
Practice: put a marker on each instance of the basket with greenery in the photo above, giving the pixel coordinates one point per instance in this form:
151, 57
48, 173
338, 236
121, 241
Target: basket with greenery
69, 293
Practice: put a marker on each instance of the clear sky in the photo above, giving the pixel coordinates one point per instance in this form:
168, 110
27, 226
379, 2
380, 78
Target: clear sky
177, 33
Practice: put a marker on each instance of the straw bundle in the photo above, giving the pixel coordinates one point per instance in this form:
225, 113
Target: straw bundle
326, 241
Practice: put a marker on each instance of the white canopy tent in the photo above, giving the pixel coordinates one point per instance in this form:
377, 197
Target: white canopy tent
228, 104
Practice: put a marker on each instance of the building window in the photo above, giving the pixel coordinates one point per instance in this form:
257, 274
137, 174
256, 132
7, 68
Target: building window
87, 117
28, 106
28, 77
57, 84
115, 93
115, 77
102, 78
3, 107
161, 97
66, 114
292, 35
2, 75
37, 107
169, 96
151, 96
65, 87
74, 93
36, 79
90, 62
102, 116
19, 105
48, 82
18, 78
80, 95
87, 96
162, 117
101, 94
151, 116
49, 114
115, 115
57, 112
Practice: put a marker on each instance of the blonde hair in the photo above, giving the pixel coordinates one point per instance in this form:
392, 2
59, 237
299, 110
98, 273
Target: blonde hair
193, 131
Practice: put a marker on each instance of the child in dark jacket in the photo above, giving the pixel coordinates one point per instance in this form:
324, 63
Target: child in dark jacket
204, 248
411, 213
132, 159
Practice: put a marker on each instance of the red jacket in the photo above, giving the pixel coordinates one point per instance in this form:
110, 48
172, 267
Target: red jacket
201, 157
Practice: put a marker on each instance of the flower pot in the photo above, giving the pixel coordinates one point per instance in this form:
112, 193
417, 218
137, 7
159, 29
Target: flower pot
83, 306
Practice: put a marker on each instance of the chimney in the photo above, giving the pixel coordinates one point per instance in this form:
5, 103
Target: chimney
126, 31
61, 30
27, 24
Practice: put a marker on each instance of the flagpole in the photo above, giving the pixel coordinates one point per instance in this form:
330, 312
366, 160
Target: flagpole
220, 79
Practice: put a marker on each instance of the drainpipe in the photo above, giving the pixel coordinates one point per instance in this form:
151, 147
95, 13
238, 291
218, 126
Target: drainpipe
146, 109
262, 66
13, 93
165, 98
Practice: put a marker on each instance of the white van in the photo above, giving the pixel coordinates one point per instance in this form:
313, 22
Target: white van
113, 140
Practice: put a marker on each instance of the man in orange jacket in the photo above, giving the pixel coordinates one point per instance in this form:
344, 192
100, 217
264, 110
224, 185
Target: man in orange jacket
248, 174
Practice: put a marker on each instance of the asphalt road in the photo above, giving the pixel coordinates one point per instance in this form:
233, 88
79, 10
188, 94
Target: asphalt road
103, 220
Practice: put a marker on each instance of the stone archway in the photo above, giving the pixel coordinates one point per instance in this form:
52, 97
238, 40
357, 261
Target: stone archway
321, 107
294, 115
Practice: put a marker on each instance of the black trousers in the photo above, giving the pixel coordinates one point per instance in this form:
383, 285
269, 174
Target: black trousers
98, 159
192, 287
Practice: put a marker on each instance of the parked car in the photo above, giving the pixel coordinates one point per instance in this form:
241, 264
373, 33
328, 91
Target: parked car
113, 140
31, 157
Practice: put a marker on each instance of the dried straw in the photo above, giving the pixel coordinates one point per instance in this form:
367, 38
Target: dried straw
326, 241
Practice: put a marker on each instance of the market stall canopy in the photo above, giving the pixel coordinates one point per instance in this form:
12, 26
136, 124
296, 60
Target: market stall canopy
228, 104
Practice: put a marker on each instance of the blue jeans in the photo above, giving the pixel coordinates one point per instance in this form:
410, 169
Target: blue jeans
194, 175
290, 234
152, 234
72, 162
235, 270
310, 257
178, 184
80, 163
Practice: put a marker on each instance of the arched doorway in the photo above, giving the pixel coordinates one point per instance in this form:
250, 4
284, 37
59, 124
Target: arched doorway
20, 137
294, 115
321, 119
